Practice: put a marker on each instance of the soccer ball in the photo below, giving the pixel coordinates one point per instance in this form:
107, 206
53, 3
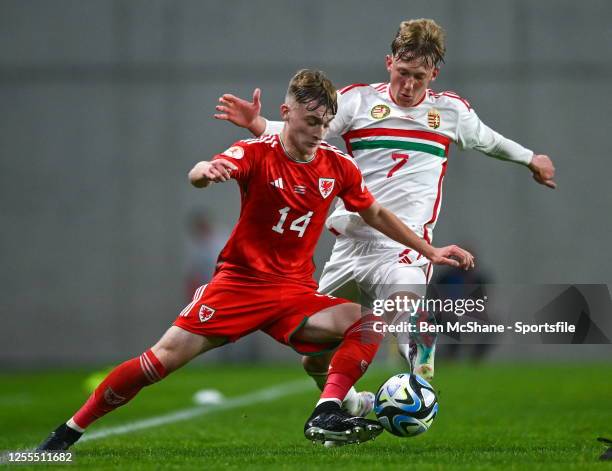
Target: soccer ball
406, 405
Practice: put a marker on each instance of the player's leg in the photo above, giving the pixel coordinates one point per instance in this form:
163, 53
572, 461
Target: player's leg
360, 340
175, 348
337, 280
316, 367
355, 403
405, 282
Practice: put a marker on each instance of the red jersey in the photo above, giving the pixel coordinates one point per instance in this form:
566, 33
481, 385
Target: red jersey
284, 204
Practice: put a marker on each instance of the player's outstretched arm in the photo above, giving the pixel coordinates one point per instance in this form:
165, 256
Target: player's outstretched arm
242, 113
204, 173
472, 133
389, 224
543, 170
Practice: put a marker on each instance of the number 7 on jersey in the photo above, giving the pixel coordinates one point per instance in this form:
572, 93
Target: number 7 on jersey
403, 158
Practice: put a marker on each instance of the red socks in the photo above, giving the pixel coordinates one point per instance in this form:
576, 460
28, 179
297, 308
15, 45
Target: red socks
121, 385
353, 357
348, 364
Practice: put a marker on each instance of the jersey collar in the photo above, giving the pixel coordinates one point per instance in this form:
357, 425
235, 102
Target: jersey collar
288, 155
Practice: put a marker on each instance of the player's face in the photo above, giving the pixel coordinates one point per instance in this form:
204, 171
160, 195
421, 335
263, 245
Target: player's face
409, 80
305, 128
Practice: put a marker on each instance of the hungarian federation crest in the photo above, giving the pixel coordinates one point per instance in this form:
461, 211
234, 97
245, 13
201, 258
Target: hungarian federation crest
326, 186
206, 312
380, 111
433, 118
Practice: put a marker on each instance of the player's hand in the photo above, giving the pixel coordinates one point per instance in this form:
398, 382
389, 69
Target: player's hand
453, 256
543, 170
219, 170
241, 112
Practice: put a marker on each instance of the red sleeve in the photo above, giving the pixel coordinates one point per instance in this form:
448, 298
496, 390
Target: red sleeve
241, 155
355, 195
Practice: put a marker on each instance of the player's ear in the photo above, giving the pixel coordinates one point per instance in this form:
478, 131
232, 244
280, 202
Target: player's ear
284, 111
388, 62
434, 74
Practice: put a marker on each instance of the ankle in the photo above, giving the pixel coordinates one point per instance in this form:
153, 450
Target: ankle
74, 426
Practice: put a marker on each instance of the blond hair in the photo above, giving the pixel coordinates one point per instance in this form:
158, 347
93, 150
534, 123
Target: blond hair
314, 89
421, 38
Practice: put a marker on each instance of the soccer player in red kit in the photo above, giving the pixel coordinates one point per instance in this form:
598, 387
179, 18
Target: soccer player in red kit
264, 276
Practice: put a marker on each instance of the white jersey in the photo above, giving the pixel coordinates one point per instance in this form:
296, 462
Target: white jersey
403, 152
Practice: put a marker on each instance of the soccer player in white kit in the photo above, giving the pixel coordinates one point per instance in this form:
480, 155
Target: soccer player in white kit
399, 133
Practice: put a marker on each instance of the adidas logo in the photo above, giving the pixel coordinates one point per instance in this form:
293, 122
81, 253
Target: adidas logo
404, 257
278, 183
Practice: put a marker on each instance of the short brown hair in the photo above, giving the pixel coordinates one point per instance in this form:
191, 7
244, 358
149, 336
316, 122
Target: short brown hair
422, 38
314, 89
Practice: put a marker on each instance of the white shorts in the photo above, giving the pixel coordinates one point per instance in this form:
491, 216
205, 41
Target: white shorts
380, 269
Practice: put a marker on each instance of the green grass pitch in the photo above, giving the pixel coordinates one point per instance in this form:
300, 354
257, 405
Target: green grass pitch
498, 416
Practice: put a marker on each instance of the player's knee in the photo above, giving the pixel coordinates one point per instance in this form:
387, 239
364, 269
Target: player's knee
169, 356
177, 347
352, 313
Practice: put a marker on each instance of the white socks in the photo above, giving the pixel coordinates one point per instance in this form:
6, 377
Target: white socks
72, 424
329, 399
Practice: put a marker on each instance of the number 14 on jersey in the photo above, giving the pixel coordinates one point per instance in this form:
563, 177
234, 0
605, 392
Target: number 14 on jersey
299, 225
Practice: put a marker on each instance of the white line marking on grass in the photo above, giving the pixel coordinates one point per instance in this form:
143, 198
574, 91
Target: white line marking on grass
263, 395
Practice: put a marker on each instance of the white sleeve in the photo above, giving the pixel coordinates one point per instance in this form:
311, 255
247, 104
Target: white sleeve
338, 126
474, 134
347, 103
273, 127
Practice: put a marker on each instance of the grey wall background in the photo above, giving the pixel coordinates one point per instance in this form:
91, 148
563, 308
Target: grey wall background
107, 104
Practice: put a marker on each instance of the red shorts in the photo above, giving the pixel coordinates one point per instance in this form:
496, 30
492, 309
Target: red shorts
234, 305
